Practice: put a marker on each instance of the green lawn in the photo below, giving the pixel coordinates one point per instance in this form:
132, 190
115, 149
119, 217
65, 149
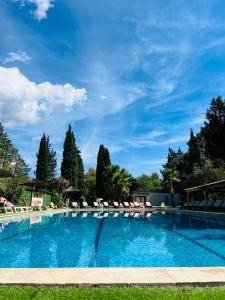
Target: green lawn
43, 293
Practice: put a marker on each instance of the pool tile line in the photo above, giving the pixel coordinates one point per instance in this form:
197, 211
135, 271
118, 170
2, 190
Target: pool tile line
97, 239
194, 242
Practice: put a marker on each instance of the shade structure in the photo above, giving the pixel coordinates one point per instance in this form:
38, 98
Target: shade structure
71, 189
33, 183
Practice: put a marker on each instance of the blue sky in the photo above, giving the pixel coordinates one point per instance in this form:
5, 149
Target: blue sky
132, 75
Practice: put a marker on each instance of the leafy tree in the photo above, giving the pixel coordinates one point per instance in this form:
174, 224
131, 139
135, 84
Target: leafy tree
213, 130
90, 186
169, 178
69, 167
149, 183
102, 177
12, 163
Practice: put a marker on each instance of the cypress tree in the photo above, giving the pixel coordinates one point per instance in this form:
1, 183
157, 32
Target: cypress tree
80, 184
103, 161
42, 160
69, 167
52, 162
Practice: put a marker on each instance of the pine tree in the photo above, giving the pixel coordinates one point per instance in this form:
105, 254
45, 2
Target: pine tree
103, 161
69, 167
10, 158
42, 167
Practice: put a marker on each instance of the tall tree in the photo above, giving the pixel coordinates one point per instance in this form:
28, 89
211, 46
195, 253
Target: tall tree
194, 151
11, 163
90, 186
69, 167
80, 183
42, 166
169, 178
213, 130
149, 183
52, 161
102, 180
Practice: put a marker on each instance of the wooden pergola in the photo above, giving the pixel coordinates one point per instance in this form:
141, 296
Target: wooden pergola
217, 186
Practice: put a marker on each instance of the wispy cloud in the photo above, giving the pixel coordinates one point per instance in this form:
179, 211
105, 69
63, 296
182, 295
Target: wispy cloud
42, 7
21, 56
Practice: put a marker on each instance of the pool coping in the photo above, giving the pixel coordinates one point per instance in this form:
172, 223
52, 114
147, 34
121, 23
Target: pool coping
113, 276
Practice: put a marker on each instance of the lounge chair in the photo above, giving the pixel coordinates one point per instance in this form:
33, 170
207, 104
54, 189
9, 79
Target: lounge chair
136, 204
74, 205
148, 204
84, 204
126, 204
6, 209
106, 204
95, 204
121, 205
116, 204
132, 204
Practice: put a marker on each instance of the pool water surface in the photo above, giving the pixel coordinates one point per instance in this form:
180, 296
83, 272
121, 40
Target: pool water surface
112, 240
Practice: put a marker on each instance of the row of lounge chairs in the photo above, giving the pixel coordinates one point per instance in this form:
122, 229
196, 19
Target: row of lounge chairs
207, 205
116, 205
15, 209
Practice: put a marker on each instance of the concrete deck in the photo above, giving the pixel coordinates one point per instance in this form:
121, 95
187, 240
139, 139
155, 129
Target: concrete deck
114, 276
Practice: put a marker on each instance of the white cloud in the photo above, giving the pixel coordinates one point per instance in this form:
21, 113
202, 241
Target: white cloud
42, 7
23, 101
17, 56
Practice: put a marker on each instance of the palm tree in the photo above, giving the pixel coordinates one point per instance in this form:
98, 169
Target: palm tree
121, 181
169, 178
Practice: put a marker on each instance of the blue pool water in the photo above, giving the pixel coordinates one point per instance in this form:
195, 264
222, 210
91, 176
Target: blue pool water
116, 240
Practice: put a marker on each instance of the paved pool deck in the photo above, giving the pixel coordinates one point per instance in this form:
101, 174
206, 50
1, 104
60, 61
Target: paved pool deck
114, 276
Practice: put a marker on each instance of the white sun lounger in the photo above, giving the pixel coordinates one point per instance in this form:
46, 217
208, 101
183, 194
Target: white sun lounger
116, 204
96, 205
85, 205
106, 204
74, 205
126, 204
148, 204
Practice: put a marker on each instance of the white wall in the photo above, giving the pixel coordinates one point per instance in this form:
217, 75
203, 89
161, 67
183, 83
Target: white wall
157, 198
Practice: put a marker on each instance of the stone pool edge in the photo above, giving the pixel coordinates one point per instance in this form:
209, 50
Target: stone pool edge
113, 276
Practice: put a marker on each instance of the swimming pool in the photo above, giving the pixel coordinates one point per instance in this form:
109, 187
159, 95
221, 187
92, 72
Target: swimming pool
112, 240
